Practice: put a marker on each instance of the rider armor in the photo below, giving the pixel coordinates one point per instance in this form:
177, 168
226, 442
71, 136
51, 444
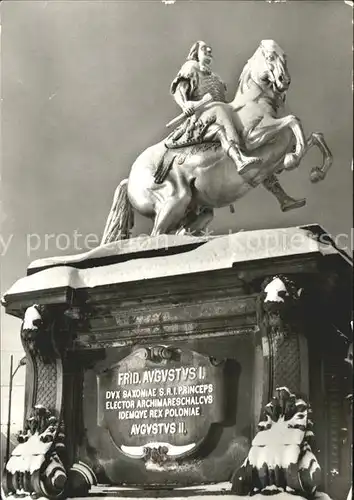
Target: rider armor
201, 82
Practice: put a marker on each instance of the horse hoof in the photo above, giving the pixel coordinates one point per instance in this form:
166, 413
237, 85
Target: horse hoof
316, 175
291, 161
292, 204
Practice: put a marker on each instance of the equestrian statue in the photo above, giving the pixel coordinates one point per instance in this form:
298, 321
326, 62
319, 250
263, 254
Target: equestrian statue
218, 151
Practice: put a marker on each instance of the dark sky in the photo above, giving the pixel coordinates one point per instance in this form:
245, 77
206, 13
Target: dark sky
85, 88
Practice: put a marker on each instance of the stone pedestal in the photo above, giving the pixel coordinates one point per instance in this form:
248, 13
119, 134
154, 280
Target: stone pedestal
119, 338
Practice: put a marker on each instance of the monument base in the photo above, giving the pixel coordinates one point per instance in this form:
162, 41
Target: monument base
155, 363
202, 492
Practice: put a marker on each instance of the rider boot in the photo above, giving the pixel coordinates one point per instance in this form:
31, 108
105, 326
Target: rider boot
243, 163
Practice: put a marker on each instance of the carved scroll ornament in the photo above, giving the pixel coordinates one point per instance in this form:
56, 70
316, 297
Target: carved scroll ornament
281, 457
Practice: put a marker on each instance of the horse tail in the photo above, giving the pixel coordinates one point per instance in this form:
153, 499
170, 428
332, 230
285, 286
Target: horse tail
120, 220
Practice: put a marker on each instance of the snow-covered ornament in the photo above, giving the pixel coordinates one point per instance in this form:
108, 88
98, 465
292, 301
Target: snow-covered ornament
281, 458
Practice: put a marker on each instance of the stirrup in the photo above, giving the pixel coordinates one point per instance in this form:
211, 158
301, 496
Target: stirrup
247, 164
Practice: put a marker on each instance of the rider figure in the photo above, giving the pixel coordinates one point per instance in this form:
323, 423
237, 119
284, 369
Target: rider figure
194, 80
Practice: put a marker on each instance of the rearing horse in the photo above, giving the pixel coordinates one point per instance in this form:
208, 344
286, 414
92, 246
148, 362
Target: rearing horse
202, 177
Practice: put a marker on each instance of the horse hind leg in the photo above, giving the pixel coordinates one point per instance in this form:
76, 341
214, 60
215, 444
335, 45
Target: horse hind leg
269, 128
171, 210
286, 202
197, 223
170, 213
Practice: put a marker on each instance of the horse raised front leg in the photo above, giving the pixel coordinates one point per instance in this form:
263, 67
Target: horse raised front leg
319, 173
268, 129
292, 160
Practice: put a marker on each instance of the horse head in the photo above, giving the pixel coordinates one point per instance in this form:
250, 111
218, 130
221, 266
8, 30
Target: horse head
268, 69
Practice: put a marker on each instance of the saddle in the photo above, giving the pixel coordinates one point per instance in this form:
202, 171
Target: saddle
173, 155
190, 133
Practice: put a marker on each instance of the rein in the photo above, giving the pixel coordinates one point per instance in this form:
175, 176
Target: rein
274, 98
245, 97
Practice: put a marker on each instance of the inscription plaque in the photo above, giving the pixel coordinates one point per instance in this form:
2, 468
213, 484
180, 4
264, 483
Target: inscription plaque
160, 396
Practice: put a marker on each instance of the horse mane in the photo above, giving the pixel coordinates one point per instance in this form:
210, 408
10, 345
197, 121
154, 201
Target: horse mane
246, 73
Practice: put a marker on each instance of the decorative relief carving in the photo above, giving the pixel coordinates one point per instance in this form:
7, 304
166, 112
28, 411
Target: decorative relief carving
158, 456
280, 322
39, 338
36, 464
161, 354
34, 333
281, 457
280, 297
